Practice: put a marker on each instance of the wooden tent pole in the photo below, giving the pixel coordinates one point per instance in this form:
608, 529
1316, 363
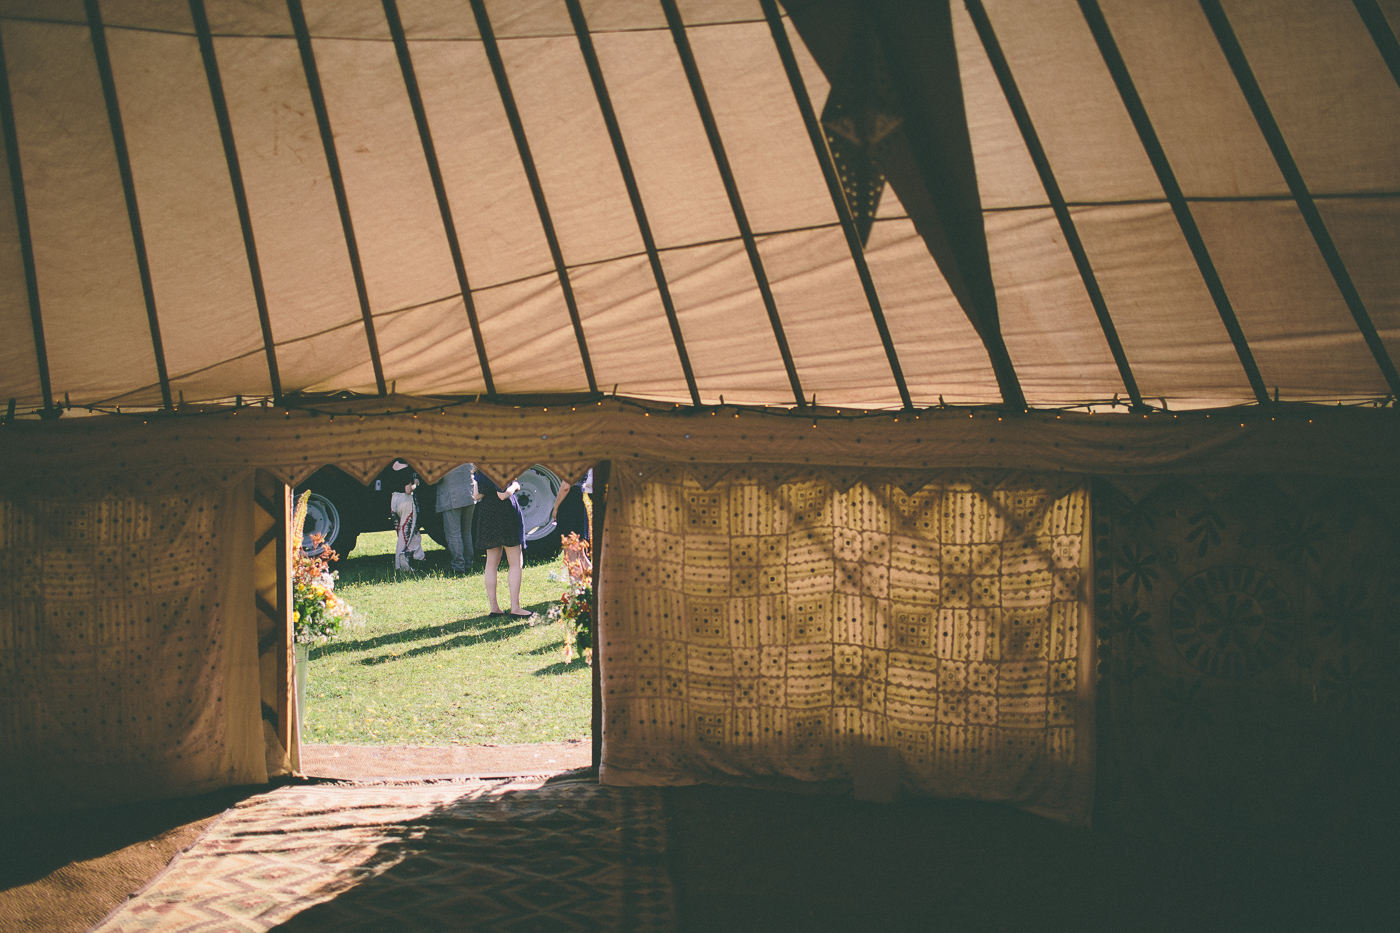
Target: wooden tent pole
532, 175
272, 559
926, 152
1022, 115
342, 201
838, 194
731, 188
449, 225
634, 194
26, 242
601, 473
1273, 135
1108, 48
133, 212
932, 166
1382, 34
240, 194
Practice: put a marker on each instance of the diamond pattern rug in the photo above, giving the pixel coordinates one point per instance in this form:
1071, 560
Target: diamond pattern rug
508, 856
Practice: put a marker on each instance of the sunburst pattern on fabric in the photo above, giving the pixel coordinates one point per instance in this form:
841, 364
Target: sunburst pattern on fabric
1248, 654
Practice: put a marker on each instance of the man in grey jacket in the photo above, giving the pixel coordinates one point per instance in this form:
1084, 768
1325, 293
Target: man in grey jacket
456, 500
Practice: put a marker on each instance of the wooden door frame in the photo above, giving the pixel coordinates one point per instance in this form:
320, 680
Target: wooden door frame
600, 506
272, 555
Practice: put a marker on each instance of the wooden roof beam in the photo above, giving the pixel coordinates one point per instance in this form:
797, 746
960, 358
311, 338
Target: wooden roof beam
928, 157
532, 175
838, 195
1382, 33
634, 194
133, 212
342, 201
26, 241
731, 188
240, 194
1273, 135
1022, 115
449, 225
1108, 48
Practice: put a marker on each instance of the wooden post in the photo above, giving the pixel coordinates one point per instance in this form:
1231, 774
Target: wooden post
600, 506
272, 581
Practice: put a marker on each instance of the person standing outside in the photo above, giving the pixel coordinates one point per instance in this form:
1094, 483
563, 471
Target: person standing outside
501, 529
571, 508
408, 544
456, 502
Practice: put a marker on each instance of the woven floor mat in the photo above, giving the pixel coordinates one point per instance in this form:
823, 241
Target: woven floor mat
502, 855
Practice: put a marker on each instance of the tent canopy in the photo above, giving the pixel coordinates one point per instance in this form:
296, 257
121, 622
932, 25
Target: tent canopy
420, 225
883, 205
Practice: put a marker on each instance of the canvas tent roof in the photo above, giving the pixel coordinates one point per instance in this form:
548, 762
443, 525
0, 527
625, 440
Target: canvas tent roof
1191, 204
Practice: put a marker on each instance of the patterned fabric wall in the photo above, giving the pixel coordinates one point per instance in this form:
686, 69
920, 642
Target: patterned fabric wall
774, 621
1250, 633
120, 673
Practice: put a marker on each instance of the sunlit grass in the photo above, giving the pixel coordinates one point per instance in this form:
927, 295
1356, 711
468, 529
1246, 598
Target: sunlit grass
430, 667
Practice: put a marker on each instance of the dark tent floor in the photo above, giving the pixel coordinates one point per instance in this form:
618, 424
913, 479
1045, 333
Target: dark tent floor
747, 859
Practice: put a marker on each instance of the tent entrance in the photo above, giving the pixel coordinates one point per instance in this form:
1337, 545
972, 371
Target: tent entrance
424, 667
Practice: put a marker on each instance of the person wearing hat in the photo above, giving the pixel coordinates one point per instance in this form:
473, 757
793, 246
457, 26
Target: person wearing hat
408, 542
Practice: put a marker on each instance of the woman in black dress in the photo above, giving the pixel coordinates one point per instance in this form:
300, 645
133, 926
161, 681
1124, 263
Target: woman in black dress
501, 527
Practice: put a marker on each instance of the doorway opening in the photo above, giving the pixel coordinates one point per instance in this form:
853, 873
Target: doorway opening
422, 679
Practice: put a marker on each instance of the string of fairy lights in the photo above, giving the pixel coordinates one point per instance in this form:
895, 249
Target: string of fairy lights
357, 407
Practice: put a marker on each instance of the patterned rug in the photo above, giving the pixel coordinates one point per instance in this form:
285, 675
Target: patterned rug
476, 856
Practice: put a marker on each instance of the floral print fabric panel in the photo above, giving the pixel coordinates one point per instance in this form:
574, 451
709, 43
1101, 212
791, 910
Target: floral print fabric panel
761, 622
1249, 651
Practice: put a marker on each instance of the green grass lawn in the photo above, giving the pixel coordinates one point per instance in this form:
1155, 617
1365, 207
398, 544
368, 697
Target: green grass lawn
430, 667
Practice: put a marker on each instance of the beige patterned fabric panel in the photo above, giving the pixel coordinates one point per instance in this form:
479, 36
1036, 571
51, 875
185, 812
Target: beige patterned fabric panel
128, 658
363, 436
778, 621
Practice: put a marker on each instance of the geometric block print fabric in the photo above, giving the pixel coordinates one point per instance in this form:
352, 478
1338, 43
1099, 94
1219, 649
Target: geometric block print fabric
482, 856
118, 642
772, 621
1250, 644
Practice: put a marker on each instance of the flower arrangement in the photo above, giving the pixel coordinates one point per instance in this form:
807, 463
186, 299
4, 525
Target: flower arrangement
575, 607
317, 613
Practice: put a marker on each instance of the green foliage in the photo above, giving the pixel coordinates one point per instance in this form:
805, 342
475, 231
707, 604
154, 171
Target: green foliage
430, 667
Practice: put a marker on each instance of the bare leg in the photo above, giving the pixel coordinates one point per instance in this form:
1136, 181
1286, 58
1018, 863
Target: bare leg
516, 558
493, 560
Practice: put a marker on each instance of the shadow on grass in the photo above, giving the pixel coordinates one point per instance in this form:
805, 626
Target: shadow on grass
577, 664
547, 649
412, 634
376, 568
503, 630
379, 568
